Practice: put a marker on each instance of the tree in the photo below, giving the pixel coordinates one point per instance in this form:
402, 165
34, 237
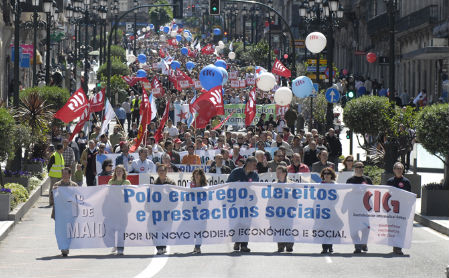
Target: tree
118, 87
161, 15
319, 108
432, 130
6, 135
55, 97
118, 52
117, 68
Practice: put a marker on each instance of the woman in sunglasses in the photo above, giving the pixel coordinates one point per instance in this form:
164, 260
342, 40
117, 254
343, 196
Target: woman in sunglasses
348, 164
327, 176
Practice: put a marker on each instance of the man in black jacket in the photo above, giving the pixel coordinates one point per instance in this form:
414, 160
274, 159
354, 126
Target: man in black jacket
218, 167
334, 147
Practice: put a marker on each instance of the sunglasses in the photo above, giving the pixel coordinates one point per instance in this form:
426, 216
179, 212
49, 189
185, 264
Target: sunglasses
110, 165
359, 167
327, 173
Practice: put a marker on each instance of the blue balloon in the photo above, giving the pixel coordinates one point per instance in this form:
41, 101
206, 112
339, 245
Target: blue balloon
184, 51
142, 58
174, 26
178, 38
175, 65
141, 73
210, 77
190, 65
217, 31
166, 29
151, 26
302, 86
225, 75
221, 64
189, 38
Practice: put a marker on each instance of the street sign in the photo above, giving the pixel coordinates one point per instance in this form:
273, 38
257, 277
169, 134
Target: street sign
300, 44
313, 68
316, 87
323, 62
326, 72
25, 60
383, 60
332, 95
313, 76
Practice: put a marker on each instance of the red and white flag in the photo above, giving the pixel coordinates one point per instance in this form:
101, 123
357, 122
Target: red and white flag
250, 108
156, 85
208, 49
208, 105
73, 108
158, 134
280, 69
109, 114
97, 101
185, 77
83, 119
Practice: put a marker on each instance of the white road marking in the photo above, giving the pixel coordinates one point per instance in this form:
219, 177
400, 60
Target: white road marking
442, 236
328, 259
156, 265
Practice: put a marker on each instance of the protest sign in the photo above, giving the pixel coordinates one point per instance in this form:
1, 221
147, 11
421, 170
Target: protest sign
110, 216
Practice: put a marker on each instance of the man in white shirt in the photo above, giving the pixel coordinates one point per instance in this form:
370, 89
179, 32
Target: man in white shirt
143, 165
171, 129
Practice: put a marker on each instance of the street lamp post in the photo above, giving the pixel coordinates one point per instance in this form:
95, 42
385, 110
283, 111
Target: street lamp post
244, 11
86, 46
17, 13
35, 4
391, 8
115, 20
135, 28
49, 10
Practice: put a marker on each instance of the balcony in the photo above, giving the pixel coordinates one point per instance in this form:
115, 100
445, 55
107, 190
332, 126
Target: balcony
377, 24
425, 16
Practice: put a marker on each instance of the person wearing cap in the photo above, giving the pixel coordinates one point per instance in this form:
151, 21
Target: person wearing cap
177, 146
247, 173
359, 178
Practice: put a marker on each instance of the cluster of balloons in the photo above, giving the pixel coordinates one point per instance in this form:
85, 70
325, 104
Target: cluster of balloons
315, 42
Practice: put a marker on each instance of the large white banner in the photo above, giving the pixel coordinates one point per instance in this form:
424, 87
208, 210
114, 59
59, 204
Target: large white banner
108, 216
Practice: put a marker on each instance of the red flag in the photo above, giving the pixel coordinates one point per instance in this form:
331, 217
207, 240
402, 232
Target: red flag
130, 80
250, 108
280, 69
158, 90
208, 105
83, 119
73, 108
97, 101
145, 108
224, 121
161, 53
208, 49
186, 77
141, 133
158, 135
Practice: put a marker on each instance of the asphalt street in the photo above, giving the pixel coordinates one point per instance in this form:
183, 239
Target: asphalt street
30, 250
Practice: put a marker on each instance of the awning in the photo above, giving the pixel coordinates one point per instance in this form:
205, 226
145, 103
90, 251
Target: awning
428, 53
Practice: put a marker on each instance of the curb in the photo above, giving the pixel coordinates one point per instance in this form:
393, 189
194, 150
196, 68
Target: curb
423, 220
16, 215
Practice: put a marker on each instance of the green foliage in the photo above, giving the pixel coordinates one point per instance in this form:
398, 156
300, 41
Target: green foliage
374, 172
118, 86
6, 135
19, 194
54, 96
119, 52
22, 136
36, 113
319, 108
368, 115
432, 130
257, 54
33, 182
117, 68
160, 16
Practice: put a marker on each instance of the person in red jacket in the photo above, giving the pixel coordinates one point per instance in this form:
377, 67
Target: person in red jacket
297, 166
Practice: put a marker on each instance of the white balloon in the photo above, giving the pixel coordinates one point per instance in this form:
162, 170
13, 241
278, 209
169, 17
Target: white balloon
220, 43
163, 38
266, 81
186, 34
283, 96
131, 58
316, 42
231, 55
173, 33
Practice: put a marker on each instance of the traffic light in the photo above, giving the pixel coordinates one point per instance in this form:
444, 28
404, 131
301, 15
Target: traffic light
350, 95
348, 134
214, 7
177, 8
225, 33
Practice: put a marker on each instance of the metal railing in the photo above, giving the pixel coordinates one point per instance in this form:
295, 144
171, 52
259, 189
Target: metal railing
427, 15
